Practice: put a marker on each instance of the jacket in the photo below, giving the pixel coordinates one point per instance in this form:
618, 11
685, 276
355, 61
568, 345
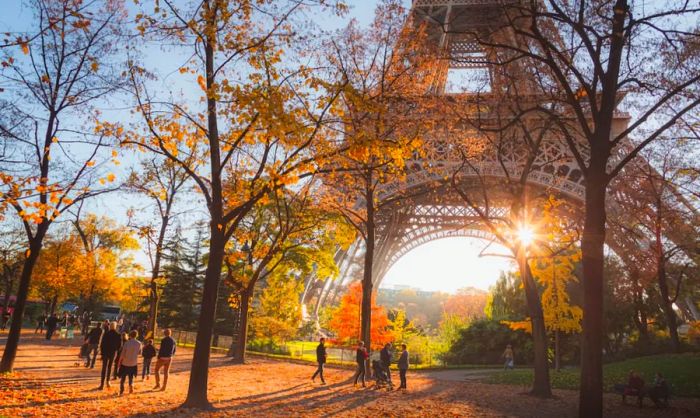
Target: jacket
361, 355
149, 351
94, 336
321, 353
385, 357
111, 343
403, 361
167, 348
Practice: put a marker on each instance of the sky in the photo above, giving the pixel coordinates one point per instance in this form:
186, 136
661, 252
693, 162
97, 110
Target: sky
442, 265
448, 264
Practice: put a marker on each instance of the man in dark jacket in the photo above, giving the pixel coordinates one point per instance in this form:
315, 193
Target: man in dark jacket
93, 340
111, 342
165, 357
403, 366
321, 360
51, 325
361, 356
385, 360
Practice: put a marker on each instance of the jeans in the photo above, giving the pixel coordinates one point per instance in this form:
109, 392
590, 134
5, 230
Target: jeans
146, 367
107, 362
402, 376
360, 373
123, 373
319, 372
49, 332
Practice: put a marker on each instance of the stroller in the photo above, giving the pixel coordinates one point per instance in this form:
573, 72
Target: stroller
380, 377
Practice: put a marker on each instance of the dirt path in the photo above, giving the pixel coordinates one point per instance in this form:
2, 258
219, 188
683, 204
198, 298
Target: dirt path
49, 384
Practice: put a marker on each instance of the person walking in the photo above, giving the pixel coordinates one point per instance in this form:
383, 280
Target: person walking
385, 360
166, 352
93, 340
128, 361
110, 344
51, 324
403, 366
361, 356
148, 352
321, 357
509, 356
124, 338
40, 322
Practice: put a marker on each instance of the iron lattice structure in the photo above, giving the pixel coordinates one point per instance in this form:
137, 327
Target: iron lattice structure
425, 207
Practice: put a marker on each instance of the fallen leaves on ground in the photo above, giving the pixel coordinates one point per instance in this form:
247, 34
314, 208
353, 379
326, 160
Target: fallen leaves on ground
49, 383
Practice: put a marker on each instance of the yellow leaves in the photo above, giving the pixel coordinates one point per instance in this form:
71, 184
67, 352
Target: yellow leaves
54, 139
115, 154
90, 163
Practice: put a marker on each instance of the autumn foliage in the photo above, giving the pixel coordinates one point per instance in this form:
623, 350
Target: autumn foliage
346, 320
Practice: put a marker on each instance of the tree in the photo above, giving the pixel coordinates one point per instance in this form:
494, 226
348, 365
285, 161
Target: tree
588, 56
183, 277
161, 182
10, 261
386, 73
89, 264
52, 161
506, 301
466, 303
287, 233
345, 321
666, 227
262, 126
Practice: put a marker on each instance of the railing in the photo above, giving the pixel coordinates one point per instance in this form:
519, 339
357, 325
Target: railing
306, 350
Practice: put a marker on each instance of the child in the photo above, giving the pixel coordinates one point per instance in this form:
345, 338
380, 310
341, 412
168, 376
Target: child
148, 353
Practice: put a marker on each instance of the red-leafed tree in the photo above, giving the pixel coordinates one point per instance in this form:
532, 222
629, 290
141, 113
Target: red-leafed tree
345, 321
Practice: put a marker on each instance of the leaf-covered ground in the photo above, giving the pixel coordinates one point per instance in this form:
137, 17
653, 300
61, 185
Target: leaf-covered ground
47, 383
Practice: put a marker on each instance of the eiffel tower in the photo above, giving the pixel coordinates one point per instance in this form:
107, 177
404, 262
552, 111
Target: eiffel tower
434, 210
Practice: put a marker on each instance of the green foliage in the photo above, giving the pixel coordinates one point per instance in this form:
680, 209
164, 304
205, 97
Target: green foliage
450, 329
277, 315
681, 372
483, 342
506, 299
184, 278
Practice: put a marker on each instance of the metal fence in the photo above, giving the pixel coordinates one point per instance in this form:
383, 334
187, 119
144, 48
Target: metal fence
306, 350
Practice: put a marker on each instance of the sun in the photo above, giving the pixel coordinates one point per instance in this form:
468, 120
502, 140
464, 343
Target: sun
526, 235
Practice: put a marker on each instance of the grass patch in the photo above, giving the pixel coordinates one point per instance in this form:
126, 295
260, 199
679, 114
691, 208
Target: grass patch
681, 372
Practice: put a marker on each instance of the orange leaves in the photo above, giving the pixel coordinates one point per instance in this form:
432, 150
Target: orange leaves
202, 82
345, 320
94, 66
25, 47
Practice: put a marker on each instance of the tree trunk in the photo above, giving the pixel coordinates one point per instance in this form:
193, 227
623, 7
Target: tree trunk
153, 286
8, 356
667, 306
541, 386
239, 351
592, 248
366, 309
52, 306
199, 375
557, 353
640, 317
